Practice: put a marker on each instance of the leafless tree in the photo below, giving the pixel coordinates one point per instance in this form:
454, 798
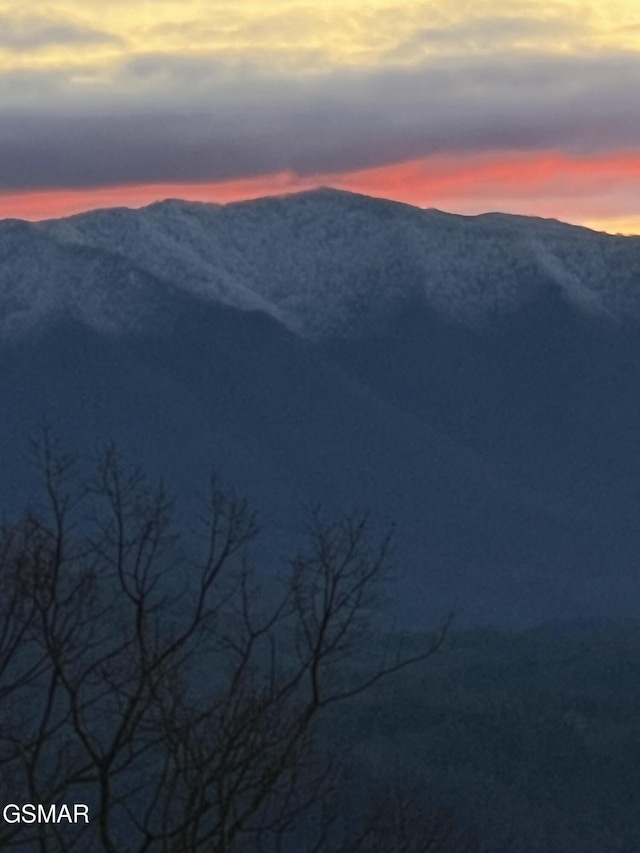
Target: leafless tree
177, 696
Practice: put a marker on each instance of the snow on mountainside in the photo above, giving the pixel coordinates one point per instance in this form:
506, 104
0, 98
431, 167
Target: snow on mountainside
507, 452
324, 263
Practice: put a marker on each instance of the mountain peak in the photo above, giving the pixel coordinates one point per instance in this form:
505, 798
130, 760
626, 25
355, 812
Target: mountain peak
323, 262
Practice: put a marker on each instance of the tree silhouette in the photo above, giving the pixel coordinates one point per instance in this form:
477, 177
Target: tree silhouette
175, 695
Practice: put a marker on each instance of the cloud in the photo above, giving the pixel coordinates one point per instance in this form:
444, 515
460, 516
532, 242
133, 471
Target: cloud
485, 33
26, 33
166, 118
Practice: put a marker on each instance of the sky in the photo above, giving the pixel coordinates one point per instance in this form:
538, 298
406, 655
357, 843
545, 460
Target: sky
529, 107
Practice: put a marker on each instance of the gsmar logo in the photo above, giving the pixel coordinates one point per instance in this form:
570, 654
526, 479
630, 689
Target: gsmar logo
37, 813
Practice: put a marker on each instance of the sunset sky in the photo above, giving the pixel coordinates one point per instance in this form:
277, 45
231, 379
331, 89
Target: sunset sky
464, 105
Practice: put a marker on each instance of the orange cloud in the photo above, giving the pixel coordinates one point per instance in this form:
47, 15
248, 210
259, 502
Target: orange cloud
596, 190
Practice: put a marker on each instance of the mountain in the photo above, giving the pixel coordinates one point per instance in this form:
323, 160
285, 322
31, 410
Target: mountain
475, 380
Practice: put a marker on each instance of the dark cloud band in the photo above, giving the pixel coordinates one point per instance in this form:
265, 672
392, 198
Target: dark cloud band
191, 120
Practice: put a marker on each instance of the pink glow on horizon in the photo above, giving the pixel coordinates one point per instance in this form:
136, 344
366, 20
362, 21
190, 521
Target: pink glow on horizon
49, 204
589, 189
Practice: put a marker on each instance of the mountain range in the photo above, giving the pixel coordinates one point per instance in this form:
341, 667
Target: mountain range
474, 381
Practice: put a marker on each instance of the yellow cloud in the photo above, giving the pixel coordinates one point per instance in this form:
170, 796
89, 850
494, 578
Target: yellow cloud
348, 32
298, 38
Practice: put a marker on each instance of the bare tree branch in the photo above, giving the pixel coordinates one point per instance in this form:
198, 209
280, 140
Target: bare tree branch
165, 690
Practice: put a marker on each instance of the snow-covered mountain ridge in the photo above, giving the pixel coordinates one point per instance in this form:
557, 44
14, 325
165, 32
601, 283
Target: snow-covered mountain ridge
324, 263
329, 349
